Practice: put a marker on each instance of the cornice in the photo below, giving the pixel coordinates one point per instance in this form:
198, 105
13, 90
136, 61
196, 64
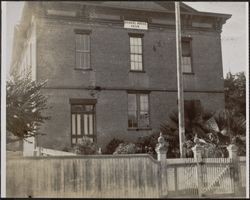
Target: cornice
119, 24
89, 12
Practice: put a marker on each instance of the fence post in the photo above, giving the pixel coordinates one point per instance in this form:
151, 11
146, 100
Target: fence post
233, 155
197, 150
161, 150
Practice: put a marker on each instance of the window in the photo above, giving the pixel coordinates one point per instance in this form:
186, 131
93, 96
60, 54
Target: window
136, 53
82, 122
138, 110
186, 56
82, 50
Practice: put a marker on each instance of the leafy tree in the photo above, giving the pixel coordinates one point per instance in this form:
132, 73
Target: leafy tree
24, 107
235, 92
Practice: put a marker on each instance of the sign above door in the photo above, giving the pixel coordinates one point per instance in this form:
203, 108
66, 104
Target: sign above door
135, 25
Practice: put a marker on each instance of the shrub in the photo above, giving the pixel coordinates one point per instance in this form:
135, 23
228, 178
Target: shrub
127, 148
112, 145
147, 144
85, 147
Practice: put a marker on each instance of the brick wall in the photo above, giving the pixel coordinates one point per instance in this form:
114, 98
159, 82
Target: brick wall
110, 64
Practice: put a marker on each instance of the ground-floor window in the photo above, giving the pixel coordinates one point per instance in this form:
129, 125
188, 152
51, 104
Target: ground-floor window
138, 110
82, 122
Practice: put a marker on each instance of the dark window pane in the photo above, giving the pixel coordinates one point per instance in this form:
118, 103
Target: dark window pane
78, 41
131, 102
144, 108
144, 119
132, 113
78, 60
186, 57
132, 119
186, 51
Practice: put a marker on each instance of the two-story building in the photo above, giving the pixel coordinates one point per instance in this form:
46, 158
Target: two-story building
111, 65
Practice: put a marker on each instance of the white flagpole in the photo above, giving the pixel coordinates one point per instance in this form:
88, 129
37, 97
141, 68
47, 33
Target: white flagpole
179, 79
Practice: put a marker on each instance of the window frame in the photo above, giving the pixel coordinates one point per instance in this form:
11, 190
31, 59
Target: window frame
138, 109
137, 35
188, 39
83, 102
83, 32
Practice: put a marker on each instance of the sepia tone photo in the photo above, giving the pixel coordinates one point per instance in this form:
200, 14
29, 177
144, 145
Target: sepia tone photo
125, 99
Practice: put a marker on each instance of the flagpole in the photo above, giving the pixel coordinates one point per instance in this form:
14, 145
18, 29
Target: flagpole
179, 80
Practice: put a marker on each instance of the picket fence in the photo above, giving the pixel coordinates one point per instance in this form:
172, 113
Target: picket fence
127, 176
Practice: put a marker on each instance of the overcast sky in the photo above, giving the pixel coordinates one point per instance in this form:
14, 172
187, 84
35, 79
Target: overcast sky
234, 35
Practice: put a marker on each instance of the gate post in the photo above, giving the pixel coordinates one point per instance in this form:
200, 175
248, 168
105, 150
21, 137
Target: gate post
197, 150
233, 155
161, 150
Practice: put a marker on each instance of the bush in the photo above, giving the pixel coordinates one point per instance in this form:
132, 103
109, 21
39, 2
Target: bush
127, 148
112, 145
85, 147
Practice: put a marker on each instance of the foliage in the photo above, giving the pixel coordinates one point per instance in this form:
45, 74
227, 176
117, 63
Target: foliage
112, 145
228, 127
127, 148
147, 144
24, 106
195, 119
216, 130
235, 92
85, 147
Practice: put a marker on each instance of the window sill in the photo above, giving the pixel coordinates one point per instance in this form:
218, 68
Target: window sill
137, 71
89, 69
188, 73
139, 129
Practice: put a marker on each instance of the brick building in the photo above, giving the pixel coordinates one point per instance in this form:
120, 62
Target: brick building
111, 65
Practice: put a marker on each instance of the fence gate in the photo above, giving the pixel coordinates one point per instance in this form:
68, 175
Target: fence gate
209, 177
215, 177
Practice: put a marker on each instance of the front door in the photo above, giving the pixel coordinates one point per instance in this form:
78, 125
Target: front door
82, 122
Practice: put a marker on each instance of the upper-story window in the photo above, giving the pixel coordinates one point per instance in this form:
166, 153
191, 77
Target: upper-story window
82, 50
186, 56
136, 54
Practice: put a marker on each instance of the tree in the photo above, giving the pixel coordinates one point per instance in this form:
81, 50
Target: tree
24, 107
235, 92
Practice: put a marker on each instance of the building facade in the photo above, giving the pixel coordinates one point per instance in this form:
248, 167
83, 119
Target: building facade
111, 65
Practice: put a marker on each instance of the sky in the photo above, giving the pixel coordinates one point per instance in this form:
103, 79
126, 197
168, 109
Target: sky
234, 34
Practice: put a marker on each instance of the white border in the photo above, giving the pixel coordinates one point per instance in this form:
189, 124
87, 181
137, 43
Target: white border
3, 101
247, 104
